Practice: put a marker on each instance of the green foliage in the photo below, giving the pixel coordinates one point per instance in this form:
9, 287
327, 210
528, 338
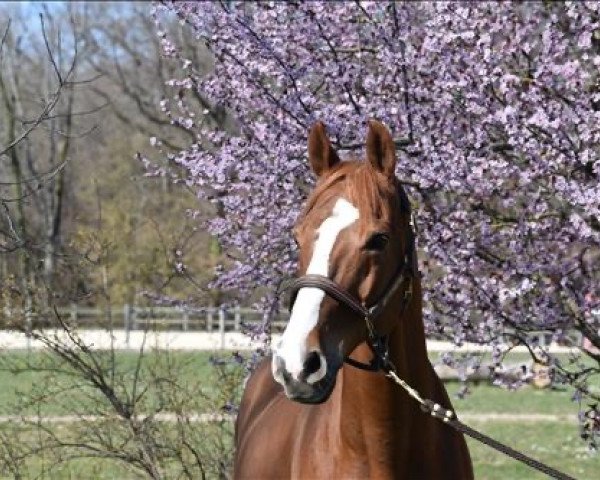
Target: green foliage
135, 231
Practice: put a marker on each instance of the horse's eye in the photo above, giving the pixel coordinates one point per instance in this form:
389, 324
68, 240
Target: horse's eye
377, 242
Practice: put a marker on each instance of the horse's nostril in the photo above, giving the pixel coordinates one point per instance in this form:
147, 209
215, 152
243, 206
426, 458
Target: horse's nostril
312, 363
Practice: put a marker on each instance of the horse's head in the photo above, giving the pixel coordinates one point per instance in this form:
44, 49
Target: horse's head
352, 231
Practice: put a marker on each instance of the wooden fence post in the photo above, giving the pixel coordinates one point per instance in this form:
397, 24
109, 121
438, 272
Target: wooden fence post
186, 320
73, 314
222, 327
237, 319
209, 319
134, 319
127, 322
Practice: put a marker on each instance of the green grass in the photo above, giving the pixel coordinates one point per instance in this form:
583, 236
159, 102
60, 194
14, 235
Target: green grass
213, 442
167, 381
487, 398
186, 368
81, 468
556, 443
548, 442
195, 368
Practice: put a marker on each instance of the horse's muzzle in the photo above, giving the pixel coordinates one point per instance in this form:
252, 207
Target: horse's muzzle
301, 389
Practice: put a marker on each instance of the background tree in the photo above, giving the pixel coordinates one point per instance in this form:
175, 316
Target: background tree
81, 222
38, 85
133, 75
495, 111
79, 95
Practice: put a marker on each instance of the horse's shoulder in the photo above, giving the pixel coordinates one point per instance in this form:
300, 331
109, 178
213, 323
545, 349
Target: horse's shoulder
259, 425
260, 390
260, 385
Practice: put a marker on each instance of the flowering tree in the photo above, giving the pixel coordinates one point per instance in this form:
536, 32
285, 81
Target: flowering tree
495, 108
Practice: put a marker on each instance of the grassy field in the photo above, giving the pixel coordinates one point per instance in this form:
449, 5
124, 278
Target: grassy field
192, 368
554, 442
195, 368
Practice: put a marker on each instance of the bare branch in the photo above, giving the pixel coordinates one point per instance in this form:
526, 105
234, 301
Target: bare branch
42, 116
72, 114
41, 177
49, 50
4, 37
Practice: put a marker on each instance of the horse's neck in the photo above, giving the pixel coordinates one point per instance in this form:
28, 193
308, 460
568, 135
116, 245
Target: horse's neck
408, 351
374, 401
376, 425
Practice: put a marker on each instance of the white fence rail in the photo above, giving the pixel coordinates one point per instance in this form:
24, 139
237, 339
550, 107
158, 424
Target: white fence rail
129, 317
216, 321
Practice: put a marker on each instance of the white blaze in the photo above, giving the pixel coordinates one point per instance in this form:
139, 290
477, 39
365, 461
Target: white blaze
305, 314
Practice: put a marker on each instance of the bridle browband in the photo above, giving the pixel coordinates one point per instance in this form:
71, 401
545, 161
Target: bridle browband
407, 270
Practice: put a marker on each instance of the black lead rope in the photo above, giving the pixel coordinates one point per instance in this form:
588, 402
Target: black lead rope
449, 417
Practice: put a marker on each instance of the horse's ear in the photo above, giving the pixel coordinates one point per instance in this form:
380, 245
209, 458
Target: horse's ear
321, 154
381, 150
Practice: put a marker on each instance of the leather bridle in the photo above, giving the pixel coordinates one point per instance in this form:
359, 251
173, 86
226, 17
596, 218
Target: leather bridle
405, 273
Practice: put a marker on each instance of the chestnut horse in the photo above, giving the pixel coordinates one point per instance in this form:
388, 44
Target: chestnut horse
306, 414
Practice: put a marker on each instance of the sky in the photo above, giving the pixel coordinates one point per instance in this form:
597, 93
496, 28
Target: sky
31, 10
25, 18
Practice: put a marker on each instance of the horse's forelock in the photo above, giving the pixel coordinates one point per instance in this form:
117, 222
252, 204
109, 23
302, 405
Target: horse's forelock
362, 186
